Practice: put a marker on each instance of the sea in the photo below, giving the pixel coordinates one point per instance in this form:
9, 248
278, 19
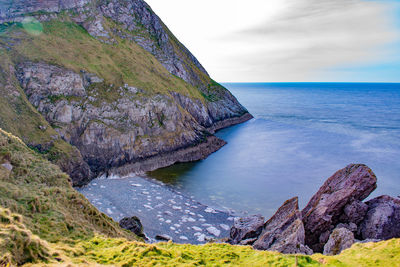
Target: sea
301, 134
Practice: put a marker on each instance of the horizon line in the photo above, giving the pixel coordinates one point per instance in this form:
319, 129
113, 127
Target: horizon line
314, 82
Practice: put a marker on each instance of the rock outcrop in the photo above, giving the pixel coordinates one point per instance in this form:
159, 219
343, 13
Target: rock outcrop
382, 220
351, 184
284, 232
340, 239
132, 224
246, 230
329, 223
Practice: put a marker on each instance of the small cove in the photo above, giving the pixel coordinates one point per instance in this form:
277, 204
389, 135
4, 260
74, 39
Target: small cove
301, 134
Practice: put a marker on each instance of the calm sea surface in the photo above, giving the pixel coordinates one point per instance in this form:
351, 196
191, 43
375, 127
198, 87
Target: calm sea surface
301, 134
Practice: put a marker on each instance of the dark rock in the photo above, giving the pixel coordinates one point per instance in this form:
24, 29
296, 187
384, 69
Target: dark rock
284, 232
340, 239
323, 212
354, 212
163, 237
246, 228
76, 168
132, 224
382, 220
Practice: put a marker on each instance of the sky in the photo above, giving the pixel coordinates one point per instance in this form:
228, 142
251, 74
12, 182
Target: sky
289, 40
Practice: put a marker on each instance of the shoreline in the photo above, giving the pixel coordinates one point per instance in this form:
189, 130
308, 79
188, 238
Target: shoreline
188, 154
161, 209
219, 125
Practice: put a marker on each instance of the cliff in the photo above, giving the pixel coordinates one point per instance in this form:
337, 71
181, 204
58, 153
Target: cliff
104, 87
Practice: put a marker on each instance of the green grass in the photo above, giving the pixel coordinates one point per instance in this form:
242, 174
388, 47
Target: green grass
41, 194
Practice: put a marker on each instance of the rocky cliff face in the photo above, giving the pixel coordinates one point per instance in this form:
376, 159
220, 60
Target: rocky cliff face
155, 109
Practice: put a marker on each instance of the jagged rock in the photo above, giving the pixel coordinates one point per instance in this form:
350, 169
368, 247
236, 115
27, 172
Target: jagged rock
352, 227
132, 224
163, 237
323, 212
382, 220
284, 232
340, 239
354, 212
246, 228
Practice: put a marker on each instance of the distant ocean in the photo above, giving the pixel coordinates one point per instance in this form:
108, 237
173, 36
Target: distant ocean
301, 134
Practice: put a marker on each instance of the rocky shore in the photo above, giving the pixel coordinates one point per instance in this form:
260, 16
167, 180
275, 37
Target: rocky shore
164, 213
334, 219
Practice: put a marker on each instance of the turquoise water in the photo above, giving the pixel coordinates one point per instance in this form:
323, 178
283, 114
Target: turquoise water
301, 134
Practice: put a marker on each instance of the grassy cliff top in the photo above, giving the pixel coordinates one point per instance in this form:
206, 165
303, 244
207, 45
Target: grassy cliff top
44, 221
64, 43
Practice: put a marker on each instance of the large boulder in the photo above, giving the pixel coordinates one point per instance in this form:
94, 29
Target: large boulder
323, 212
382, 220
284, 232
132, 224
354, 212
248, 228
340, 239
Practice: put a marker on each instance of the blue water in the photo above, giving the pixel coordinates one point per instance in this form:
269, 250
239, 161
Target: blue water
301, 134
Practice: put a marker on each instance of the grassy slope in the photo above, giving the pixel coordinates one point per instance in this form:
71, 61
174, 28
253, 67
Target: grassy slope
39, 192
69, 45
43, 221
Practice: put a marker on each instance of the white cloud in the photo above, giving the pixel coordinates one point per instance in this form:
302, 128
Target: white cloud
280, 40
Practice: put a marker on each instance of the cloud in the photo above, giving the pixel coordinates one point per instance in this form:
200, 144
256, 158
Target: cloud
308, 37
287, 40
